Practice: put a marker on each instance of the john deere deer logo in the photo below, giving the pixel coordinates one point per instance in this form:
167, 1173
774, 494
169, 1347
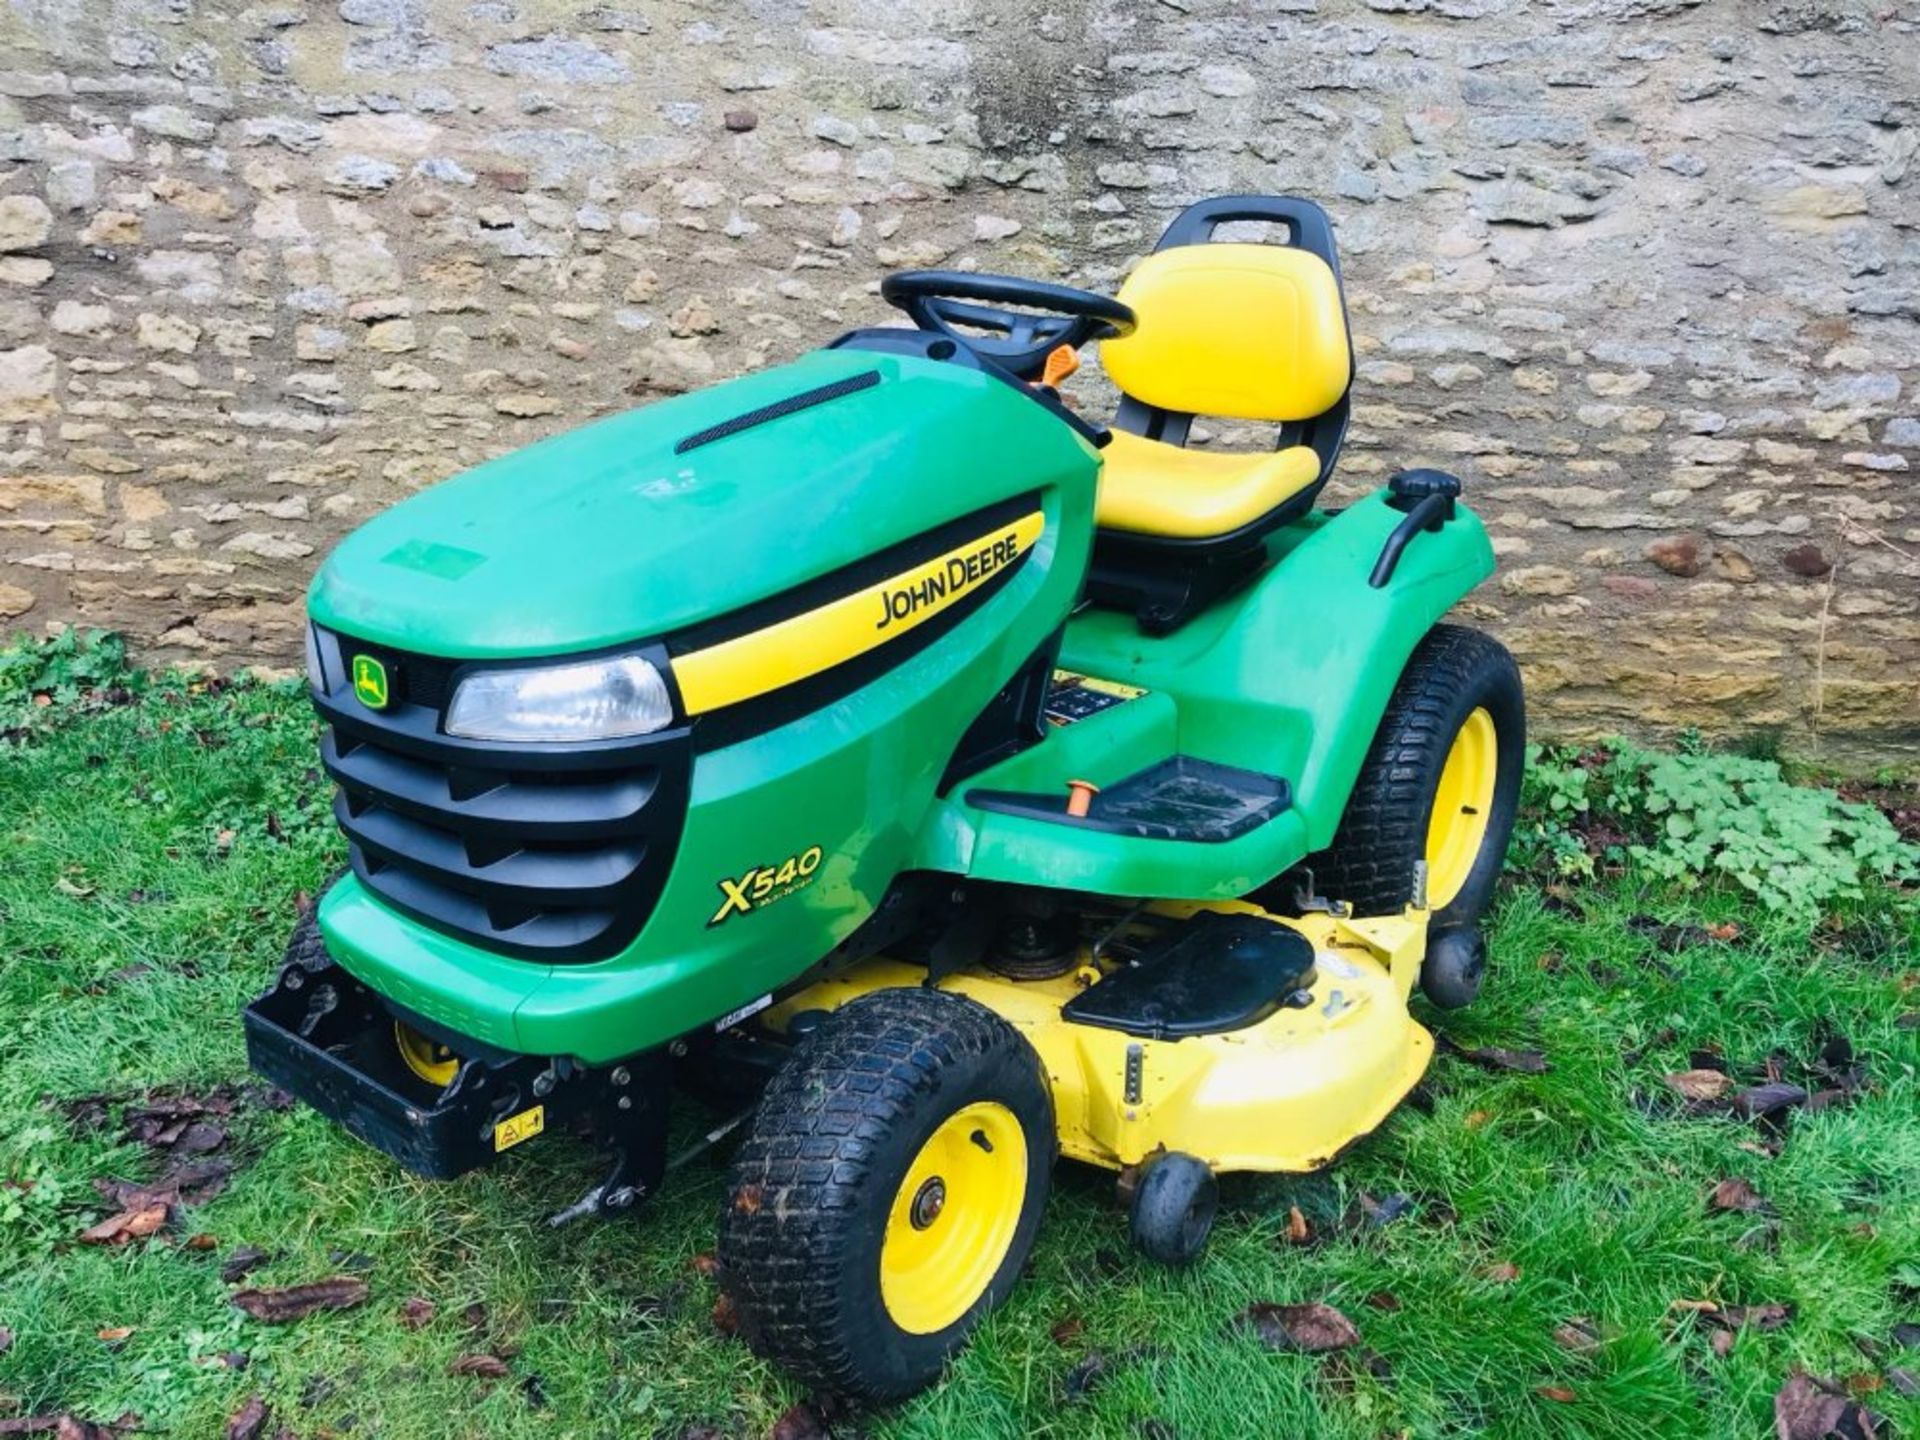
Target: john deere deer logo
370, 682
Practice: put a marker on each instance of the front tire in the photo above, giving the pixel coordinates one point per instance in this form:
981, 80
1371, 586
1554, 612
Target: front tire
305, 947
888, 1193
1440, 784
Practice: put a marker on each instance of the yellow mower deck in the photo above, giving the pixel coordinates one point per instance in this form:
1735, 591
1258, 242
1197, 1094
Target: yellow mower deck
1286, 1094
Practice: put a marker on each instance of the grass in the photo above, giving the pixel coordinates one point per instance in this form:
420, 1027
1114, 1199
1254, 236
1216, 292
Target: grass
154, 850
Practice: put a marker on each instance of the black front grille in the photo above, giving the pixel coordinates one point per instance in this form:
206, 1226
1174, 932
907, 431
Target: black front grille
554, 852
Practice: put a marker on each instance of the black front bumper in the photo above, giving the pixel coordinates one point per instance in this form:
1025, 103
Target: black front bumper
329, 1039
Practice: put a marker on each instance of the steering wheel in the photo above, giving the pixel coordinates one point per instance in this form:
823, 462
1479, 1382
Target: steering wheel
938, 301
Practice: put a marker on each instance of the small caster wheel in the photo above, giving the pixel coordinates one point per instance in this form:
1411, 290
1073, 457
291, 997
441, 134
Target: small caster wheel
1456, 963
1174, 1203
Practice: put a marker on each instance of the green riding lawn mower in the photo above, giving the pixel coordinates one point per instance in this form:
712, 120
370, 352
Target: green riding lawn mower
954, 781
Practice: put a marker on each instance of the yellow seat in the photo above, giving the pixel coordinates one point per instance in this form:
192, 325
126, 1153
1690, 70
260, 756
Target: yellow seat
1151, 488
1250, 332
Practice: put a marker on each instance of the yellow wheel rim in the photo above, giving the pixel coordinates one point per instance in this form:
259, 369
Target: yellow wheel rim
953, 1218
1462, 808
429, 1059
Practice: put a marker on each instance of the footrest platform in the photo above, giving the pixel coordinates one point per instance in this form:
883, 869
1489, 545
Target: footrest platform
1181, 798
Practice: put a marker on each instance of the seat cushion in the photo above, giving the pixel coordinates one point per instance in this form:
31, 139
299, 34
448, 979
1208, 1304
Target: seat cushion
1151, 488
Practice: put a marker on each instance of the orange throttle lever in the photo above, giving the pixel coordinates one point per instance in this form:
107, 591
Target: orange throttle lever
1061, 362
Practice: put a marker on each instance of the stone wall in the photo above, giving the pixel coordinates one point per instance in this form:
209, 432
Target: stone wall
1646, 272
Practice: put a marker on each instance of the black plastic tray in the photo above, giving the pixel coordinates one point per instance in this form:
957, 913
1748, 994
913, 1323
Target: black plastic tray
1181, 798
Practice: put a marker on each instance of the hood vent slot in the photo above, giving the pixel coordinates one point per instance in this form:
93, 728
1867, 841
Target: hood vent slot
779, 409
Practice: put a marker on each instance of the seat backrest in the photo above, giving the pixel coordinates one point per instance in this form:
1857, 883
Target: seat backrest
1243, 331
1250, 332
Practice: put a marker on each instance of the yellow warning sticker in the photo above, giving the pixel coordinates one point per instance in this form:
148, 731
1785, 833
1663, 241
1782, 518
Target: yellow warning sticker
515, 1128
1075, 697
1110, 687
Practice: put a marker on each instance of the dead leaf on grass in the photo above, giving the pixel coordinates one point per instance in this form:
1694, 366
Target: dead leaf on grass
1299, 1232
1384, 1300
1578, 1334
798, 1423
1837, 1064
726, 1317
416, 1313
114, 1334
1770, 1101
1494, 1057
71, 1427
483, 1367
128, 1226
242, 1263
1312, 1329
1503, 1272
190, 1182
296, 1302
1738, 1195
1671, 939
187, 1124
1559, 1394
1700, 1084
706, 1263
1065, 1332
1726, 1321
249, 1422
1810, 1409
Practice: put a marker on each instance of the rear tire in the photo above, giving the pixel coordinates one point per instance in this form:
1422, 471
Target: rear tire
888, 1193
1424, 793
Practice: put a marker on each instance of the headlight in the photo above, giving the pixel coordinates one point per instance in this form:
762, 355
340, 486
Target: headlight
316, 671
592, 700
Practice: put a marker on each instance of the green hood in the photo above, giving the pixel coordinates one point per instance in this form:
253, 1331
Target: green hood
605, 534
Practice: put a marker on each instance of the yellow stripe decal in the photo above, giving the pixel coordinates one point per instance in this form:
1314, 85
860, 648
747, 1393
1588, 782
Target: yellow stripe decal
753, 664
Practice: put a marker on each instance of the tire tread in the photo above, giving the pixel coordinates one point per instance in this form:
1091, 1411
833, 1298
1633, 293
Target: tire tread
1384, 830
802, 1178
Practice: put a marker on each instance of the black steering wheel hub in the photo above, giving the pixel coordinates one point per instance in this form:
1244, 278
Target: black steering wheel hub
1024, 320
